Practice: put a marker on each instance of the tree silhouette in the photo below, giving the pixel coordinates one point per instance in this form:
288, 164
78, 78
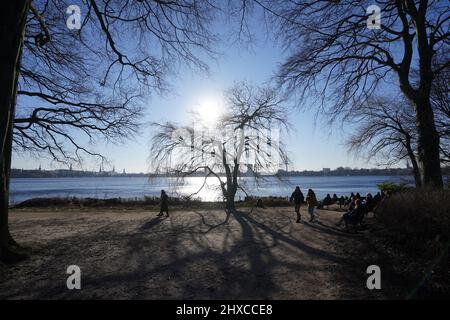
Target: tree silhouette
73, 87
336, 58
242, 142
386, 131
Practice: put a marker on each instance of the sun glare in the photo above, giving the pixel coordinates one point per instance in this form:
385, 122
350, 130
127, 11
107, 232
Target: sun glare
209, 110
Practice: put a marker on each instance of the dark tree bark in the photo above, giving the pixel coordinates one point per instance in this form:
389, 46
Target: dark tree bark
13, 20
415, 165
428, 137
232, 185
428, 145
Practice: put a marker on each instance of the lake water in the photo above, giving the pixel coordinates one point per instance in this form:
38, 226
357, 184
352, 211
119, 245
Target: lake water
131, 187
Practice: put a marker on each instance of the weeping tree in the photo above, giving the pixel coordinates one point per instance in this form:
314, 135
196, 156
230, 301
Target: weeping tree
340, 55
71, 75
386, 132
244, 141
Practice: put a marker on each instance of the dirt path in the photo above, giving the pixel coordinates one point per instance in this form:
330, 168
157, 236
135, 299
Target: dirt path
190, 255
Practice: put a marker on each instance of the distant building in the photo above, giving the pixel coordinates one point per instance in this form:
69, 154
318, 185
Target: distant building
326, 170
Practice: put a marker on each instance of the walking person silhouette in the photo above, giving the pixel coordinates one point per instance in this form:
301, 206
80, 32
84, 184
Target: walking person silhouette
311, 200
164, 204
298, 198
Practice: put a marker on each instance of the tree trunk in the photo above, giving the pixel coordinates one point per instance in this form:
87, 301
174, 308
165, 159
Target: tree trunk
230, 203
416, 172
415, 165
428, 144
428, 137
13, 19
232, 185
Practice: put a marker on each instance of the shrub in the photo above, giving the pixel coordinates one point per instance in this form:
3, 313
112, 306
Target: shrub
415, 233
390, 187
416, 219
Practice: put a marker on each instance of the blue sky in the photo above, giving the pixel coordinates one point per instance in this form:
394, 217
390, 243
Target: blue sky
312, 146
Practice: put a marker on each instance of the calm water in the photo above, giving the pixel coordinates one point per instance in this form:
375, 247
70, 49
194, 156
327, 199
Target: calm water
131, 187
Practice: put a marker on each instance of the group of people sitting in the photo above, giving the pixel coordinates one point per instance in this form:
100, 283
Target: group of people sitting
357, 206
346, 201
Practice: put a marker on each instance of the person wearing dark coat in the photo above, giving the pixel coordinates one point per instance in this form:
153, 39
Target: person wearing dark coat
327, 200
335, 198
369, 202
164, 205
376, 200
298, 198
341, 202
354, 215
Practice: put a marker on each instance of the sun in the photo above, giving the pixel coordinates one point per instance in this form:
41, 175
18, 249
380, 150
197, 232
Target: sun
209, 109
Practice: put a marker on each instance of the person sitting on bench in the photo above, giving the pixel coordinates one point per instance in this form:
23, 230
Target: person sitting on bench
351, 203
341, 202
369, 202
327, 201
354, 216
335, 198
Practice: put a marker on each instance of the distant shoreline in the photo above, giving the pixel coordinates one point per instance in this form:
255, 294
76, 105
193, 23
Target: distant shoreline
18, 173
338, 172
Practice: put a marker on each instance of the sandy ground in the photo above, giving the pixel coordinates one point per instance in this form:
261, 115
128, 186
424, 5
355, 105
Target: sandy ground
261, 254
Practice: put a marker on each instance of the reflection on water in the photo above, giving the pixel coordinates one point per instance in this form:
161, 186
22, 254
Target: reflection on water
130, 187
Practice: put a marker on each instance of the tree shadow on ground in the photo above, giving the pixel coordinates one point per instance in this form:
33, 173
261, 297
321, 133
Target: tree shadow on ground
245, 219
212, 226
190, 255
320, 226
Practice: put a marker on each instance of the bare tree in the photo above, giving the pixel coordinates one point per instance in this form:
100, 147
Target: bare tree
386, 132
73, 87
242, 142
336, 57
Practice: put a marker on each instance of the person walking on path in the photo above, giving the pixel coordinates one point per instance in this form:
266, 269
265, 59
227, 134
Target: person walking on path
298, 198
311, 201
164, 205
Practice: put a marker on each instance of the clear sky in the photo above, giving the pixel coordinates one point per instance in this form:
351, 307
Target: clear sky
312, 145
